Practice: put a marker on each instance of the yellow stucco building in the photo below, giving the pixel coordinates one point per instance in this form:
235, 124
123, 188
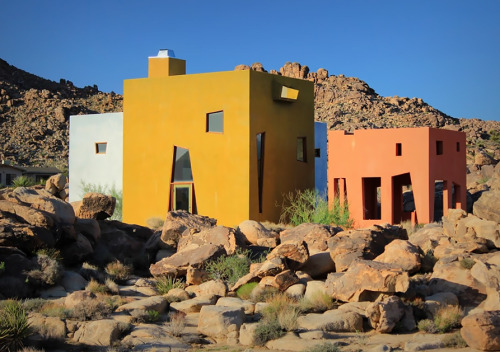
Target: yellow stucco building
228, 145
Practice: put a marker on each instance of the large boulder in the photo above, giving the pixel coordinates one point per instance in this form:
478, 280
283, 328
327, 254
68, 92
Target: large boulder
294, 252
466, 228
96, 206
221, 323
55, 184
402, 254
316, 236
193, 305
208, 288
253, 231
156, 303
100, 332
176, 222
347, 246
26, 237
482, 330
332, 320
488, 274
218, 235
385, 315
364, 278
177, 264
28, 214
318, 265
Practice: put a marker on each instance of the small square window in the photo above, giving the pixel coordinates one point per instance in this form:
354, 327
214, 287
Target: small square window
215, 122
301, 149
317, 153
100, 148
399, 149
439, 147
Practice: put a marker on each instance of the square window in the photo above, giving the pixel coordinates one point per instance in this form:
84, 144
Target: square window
215, 122
301, 149
439, 147
100, 148
399, 149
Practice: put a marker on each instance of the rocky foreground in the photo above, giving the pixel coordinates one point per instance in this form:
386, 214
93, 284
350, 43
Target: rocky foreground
90, 284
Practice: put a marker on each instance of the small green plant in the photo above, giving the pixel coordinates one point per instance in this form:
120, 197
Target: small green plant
318, 302
267, 330
448, 318
104, 189
166, 283
229, 268
23, 181
467, 263
118, 271
152, 316
245, 291
310, 207
14, 326
454, 340
325, 347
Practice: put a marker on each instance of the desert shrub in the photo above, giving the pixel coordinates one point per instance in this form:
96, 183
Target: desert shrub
91, 309
96, 287
267, 330
23, 181
152, 316
229, 268
427, 325
112, 286
89, 271
177, 323
53, 253
34, 304
319, 302
14, 326
245, 291
467, 263
325, 347
448, 318
53, 309
155, 223
164, 284
454, 340
310, 207
48, 271
110, 191
284, 310
264, 294
118, 271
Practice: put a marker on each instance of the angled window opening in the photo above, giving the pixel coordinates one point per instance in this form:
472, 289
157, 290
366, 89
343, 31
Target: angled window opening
215, 122
261, 137
181, 186
301, 149
399, 149
101, 147
182, 166
439, 147
372, 207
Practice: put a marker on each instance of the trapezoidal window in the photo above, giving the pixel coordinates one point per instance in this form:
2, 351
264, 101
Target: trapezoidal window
301, 149
215, 122
182, 166
260, 165
439, 147
372, 209
399, 149
101, 147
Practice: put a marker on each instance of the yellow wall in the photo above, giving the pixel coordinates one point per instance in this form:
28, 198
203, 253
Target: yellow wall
163, 112
283, 122
160, 113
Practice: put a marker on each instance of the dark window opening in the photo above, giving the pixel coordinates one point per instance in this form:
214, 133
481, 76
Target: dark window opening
317, 153
100, 148
439, 147
440, 196
458, 146
260, 165
181, 188
398, 149
215, 122
9, 178
301, 149
372, 207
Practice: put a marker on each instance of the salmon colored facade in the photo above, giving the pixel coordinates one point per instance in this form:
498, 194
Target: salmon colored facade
371, 168
221, 144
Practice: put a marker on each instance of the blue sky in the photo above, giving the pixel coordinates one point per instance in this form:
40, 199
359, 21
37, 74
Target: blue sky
445, 52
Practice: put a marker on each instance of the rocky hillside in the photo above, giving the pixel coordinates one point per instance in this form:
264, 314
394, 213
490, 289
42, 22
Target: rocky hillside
34, 112
34, 115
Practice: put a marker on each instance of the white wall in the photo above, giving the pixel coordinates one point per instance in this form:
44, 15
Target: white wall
87, 166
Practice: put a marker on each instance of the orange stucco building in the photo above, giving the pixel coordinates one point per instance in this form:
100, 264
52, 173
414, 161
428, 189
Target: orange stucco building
372, 168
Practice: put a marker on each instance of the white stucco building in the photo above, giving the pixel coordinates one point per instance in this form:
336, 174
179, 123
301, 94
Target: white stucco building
95, 152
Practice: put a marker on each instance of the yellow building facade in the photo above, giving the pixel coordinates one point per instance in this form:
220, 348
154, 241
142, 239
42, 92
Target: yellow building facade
227, 145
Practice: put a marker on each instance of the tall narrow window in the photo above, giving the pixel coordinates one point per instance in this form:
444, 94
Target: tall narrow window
100, 148
399, 149
260, 165
182, 166
458, 146
301, 149
181, 187
439, 147
371, 195
215, 122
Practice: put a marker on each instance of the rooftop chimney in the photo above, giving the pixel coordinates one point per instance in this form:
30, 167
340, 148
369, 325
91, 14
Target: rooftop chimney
165, 64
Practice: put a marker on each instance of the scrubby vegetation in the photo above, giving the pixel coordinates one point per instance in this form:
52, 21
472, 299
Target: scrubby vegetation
229, 268
48, 270
118, 271
111, 191
23, 181
311, 207
245, 291
445, 320
166, 283
14, 327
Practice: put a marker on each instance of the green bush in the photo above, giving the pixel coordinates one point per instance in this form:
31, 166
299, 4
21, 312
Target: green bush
427, 325
165, 283
245, 291
448, 318
110, 191
23, 181
14, 326
310, 207
467, 263
325, 347
229, 268
267, 330
152, 316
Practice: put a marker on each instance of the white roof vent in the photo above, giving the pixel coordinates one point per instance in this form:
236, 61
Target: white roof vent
166, 53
